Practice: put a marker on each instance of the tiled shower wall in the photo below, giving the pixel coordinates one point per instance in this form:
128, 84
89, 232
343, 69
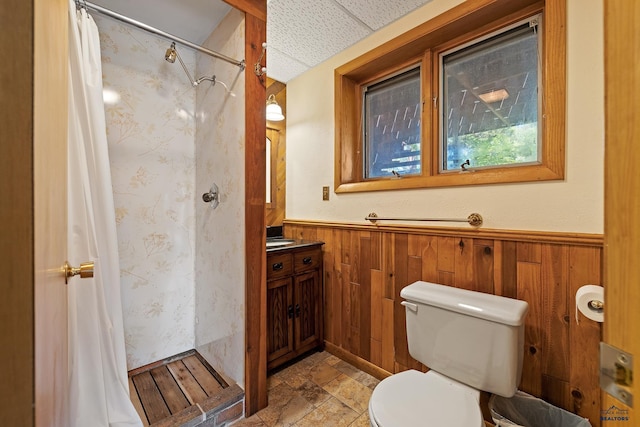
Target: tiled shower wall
220, 147
182, 263
151, 131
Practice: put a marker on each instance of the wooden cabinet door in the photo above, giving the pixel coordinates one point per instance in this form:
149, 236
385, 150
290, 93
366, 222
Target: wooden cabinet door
307, 309
280, 313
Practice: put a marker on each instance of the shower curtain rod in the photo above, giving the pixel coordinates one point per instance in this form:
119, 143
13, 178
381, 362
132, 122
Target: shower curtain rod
126, 19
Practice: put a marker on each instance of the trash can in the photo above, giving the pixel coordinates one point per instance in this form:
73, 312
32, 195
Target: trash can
524, 410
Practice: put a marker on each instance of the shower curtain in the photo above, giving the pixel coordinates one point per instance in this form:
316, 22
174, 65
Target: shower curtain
98, 386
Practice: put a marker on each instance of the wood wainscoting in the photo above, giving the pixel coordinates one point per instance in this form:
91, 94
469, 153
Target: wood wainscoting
366, 266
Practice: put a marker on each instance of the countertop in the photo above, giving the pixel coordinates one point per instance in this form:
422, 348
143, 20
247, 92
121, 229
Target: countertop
291, 245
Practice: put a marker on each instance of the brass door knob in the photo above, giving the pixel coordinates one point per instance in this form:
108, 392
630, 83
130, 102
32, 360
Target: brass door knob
85, 270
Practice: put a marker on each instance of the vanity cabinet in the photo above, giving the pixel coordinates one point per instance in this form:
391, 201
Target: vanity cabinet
294, 302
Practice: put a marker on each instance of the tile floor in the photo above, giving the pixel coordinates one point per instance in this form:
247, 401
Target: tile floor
320, 390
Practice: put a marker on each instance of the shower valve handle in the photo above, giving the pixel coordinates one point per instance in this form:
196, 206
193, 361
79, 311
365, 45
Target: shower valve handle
212, 196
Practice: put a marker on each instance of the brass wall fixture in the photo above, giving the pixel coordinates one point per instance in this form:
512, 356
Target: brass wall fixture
258, 69
85, 270
474, 219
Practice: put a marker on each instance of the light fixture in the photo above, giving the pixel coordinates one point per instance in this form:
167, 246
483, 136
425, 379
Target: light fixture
274, 111
494, 96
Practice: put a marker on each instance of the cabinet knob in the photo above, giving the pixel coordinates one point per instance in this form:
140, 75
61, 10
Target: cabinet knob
306, 260
277, 266
297, 310
290, 311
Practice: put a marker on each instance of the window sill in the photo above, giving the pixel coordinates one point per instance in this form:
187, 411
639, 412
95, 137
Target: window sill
534, 173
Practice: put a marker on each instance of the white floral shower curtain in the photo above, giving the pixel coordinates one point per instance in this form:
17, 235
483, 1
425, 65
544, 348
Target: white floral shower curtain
99, 388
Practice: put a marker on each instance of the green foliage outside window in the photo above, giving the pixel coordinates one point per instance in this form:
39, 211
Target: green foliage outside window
504, 146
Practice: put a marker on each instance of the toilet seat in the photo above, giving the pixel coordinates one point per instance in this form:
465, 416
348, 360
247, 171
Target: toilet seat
416, 399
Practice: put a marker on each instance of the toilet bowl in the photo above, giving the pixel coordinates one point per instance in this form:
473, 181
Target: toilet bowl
471, 341
416, 399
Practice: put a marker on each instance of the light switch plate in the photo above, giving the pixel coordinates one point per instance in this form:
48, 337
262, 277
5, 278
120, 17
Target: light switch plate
325, 192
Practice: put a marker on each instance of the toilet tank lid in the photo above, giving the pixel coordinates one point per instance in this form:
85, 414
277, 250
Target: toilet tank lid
494, 308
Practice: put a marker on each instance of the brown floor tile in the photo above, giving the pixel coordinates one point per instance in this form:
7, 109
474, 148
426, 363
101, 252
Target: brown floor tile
332, 360
322, 373
313, 393
253, 421
319, 390
350, 392
358, 375
294, 375
332, 413
316, 358
273, 381
286, 407
362, 421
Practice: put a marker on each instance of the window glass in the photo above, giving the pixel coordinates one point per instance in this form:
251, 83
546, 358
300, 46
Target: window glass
392, 116
490, 109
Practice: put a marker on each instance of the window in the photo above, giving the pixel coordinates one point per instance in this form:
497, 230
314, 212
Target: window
470, 97
392, 115
489, 92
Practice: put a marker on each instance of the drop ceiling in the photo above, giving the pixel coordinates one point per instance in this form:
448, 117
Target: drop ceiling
300, 33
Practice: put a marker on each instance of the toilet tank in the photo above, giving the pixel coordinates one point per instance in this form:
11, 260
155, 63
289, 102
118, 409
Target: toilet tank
472, 337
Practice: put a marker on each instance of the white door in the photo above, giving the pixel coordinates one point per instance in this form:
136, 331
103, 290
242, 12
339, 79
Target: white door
33, 122
33, 218
50, 65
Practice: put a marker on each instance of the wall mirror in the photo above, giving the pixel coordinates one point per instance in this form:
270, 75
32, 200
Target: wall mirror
271, 147
269, 196
275, 151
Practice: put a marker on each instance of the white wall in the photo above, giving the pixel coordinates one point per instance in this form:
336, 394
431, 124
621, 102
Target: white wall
220, 259
572, 205
151, 132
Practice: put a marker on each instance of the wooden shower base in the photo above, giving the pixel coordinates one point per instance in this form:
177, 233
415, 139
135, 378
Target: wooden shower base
184, 390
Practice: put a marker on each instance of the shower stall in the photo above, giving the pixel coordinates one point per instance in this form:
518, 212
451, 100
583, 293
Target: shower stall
170, 137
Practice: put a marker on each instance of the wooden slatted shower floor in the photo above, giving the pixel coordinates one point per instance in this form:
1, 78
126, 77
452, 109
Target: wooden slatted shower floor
185, 391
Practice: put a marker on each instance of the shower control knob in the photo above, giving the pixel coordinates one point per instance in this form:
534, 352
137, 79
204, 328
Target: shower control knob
212, 196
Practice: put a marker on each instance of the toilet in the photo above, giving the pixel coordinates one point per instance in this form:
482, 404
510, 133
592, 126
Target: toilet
471, 341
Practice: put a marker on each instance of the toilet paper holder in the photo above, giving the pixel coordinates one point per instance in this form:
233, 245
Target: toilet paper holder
596, 305
590, 302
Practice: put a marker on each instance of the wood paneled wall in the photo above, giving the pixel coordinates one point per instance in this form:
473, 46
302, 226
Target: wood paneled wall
365, 267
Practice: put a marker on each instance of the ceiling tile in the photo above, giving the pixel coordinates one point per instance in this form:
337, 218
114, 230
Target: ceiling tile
378, 14
311, 31
282, 67
300, 33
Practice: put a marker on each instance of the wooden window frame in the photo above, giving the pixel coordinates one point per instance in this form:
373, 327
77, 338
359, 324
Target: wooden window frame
423, 44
